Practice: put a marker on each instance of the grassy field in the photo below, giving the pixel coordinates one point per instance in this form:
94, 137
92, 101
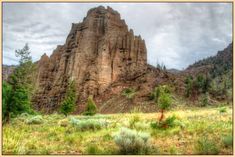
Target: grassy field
195, 131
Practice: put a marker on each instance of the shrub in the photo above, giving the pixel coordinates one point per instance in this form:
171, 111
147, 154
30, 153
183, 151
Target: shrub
74, 121
205, 100
141, 125
64, 122
206, 146
69, 101
228, 140
88, 124
90, 107
170, 121
167, 123
223, 109
135, 118
35, 120
24, 115
107, 137
151, 96
132, 142
128, 93
92, 149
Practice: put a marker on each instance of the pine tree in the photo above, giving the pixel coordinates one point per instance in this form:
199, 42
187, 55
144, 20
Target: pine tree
91, 108
6, 99
68, 105
18, 99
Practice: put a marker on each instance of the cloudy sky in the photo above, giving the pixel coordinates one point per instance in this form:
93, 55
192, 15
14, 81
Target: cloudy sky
176, 34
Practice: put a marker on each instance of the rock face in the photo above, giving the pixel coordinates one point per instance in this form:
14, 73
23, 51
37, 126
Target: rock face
98, 51
7, 70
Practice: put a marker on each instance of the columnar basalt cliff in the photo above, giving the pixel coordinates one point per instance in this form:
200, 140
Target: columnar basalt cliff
98, 51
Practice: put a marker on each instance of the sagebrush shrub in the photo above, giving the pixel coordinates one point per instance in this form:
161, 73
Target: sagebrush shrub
64, 122
228, 140
132, 142
206, 146
141, 125
24, 114
88, 124
35, 120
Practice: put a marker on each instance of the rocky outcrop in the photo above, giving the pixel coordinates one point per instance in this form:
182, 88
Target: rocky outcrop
98, 51
7, 70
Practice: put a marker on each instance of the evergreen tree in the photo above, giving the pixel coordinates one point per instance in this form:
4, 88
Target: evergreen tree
6, 99
68, 105
90, 107
188, 86
18, 92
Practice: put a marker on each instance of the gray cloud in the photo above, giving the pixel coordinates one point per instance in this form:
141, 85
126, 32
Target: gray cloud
176, 34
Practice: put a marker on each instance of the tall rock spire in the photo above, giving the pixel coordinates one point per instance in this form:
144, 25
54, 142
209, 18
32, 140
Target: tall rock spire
98, 51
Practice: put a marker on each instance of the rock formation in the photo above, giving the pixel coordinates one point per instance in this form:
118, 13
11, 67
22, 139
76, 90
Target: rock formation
7, 70
98, 51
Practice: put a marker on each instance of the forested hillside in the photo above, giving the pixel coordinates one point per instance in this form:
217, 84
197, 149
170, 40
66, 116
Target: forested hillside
215, 73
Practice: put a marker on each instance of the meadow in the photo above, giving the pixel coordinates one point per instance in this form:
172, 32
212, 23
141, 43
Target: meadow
195, 130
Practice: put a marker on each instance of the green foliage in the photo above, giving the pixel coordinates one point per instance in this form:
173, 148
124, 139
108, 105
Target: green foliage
6, 99
64, 122
202, 83
68, 105
164, 124
88, 124
132, 142
222, 62
205, 100
188, 85
15, 101
158, 91
228, 140
129, 93
199, 84
141, 125
161, 66
221, 86
24, 54
206, 146
35, 120
51, 138
19, 89
170, 121
223, 109
134, 119
91, 108
165, 101
92, 149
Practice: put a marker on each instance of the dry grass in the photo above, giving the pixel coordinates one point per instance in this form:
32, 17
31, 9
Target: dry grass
52, 138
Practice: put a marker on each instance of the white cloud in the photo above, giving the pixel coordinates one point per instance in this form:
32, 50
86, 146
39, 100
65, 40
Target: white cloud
175, 33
